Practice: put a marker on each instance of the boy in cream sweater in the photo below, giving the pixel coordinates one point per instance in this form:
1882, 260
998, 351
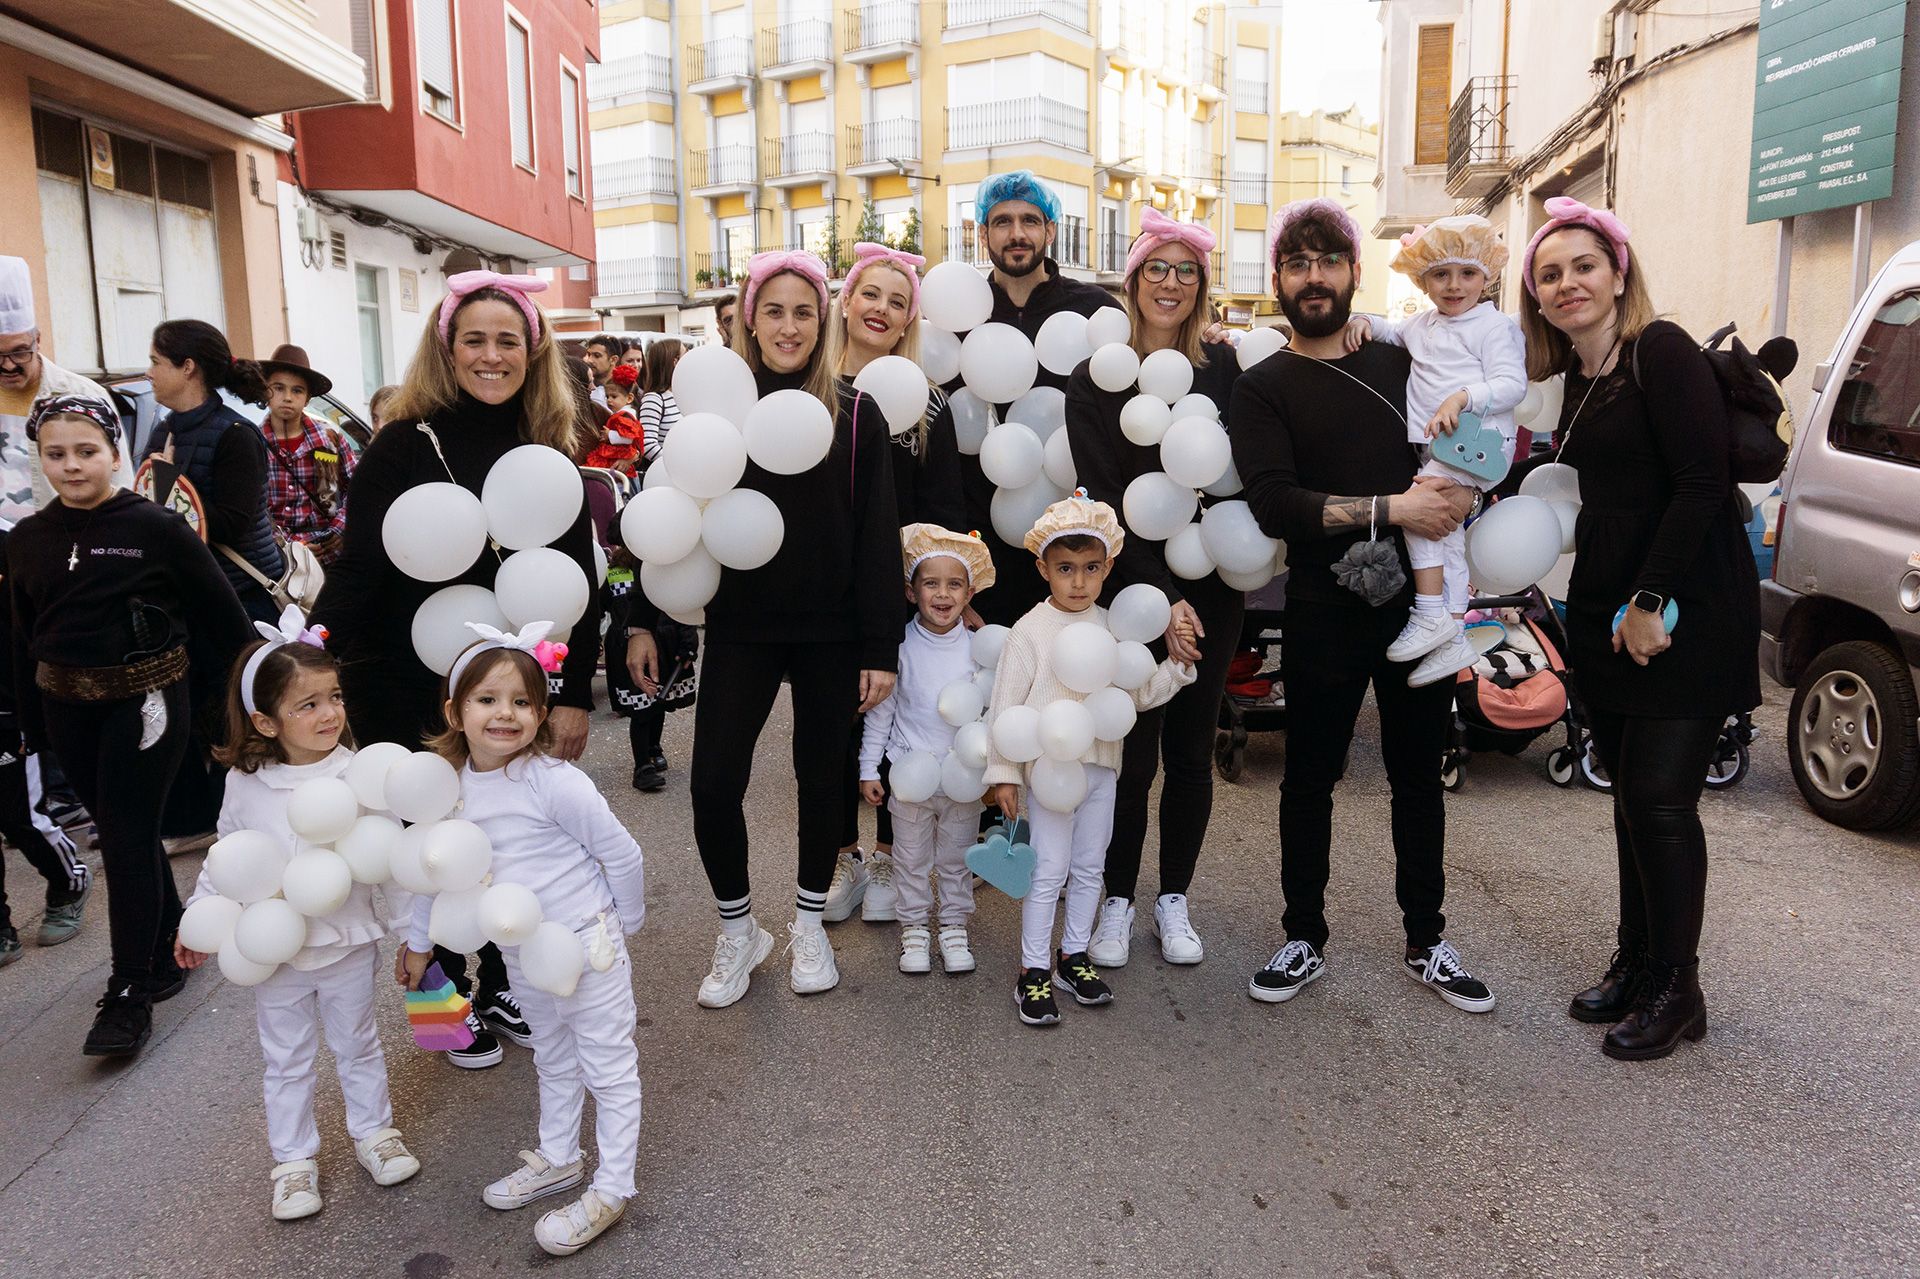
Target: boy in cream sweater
1074, 543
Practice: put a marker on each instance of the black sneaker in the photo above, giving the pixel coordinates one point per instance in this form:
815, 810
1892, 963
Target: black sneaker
1440, 968
165, 981
9, 945
122, 1025
650, 776
1033, 995
1292, 966
502, 1015
1081, 979
484, 1051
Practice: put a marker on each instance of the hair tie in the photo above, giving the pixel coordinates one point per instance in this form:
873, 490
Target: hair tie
293, 629
531, 639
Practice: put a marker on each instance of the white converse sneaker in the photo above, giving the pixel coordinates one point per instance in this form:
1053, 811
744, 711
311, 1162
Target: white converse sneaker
915, 945
1179, 944
1444, 662
882, 905
1112, 934
956, 954
813, 968
848, 890
534, 1179
565, 1231
734, 959
385, 1157
1423, 633
296, 1190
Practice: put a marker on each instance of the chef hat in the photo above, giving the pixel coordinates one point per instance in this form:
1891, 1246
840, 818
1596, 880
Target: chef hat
922, 542
16, 296
1466, 239
1076, 516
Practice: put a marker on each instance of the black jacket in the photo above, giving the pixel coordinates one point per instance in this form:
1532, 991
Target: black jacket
225, 459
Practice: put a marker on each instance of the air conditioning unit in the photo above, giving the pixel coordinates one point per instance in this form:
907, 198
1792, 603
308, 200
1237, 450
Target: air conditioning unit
307, 219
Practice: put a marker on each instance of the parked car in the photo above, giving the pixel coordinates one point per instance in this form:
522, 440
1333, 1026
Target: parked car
1840, 614
140, 413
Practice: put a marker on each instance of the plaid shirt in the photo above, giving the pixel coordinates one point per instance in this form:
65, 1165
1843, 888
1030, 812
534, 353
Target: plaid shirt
293, 480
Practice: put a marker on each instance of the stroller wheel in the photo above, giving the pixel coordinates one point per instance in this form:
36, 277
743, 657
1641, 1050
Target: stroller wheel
1561, 766
1452, 775
1230, 754
1729, 765
1590, 770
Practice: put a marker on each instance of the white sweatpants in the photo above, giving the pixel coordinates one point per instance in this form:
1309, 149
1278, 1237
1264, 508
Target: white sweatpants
929, 839
1070, 851
291, 1007
1449, 553
584, 1043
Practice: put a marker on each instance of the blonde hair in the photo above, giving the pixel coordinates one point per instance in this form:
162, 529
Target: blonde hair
451, 743
1549, 351
907, 345
820, 371
547, 407
1188, 341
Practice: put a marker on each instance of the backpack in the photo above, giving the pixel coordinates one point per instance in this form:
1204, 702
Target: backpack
1759, 419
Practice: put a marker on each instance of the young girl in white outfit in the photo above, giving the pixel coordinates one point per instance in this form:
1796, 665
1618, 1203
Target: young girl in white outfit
943, 569
287, 725
1467, 358
552, 833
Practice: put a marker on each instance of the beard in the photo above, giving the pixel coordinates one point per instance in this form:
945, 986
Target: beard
1035, 257
1318, 325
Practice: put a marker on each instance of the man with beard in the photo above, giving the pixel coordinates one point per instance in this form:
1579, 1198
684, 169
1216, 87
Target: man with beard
1320, 441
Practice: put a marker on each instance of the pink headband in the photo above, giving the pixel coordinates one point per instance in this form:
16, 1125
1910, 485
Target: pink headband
866, 255
1158, 230
1285, 216
1565, 211
762, 267
516, 287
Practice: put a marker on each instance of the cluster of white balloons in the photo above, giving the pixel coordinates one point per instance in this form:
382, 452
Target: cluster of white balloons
1520, 540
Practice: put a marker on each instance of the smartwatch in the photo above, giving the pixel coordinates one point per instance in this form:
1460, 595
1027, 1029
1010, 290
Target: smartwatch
1648, 601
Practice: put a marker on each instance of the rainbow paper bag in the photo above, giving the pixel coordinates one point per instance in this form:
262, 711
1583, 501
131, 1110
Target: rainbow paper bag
438, 1013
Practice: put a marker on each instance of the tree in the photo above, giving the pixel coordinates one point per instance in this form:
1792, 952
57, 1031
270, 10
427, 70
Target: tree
910, 233
871, 228
834, 253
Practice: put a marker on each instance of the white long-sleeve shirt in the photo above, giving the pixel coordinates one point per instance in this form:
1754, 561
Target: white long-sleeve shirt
1483, 353
910, 719
553, 833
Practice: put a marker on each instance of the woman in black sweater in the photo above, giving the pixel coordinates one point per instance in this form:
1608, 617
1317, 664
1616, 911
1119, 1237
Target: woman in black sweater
1645, 427
112, 597
824, 613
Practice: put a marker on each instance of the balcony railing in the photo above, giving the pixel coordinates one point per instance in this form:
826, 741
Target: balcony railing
1208, 170
964, 13
1125, 148
720, 167
1207, 69
883, 140
1071, 246
798, 153
809, 40
728, 58
874, 26
637, 275
1249, 188
1111, 259
1124, 33
1479, 147
837, 254
1017, 120
967, 243
1251, 277
720, 269
1254, 96
1216, 264
624, 179
642, 73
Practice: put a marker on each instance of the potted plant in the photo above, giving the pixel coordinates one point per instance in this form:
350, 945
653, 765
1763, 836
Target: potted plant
703, 278
871, 229
910, 233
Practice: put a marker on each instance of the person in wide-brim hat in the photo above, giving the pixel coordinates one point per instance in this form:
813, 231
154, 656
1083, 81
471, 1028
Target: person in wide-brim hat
288, 358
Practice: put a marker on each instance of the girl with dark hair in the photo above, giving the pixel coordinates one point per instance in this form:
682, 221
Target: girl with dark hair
659, 412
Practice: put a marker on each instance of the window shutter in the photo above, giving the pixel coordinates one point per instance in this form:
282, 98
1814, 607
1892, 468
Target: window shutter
360, 15
1434, 79
570, 129
519, 94
433, 24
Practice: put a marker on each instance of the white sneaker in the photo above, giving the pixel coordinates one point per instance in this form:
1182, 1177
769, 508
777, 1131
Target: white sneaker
1444, 662
565, 1231
734, 959
1179, 944
813, 968
296, 1190
915, 947
848, 889
1112, 934
385, 1157
882, 905
956, 954
534, 1179
1423, 633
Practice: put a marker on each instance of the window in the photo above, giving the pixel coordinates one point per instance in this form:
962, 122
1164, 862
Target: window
439, 83
570, 127
361, 19
373, 361
1433, 80
1346, 177
1878, 409
520, 89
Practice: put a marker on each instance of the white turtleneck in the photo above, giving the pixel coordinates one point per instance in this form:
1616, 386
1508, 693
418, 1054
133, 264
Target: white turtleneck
910, 719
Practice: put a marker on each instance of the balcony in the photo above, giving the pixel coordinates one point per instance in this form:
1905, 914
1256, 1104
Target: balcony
967, 244
1209, 74
881, 32
1251, 278
1479, 148
648, 74
1254, 97
1209, 174
873, 148
634, 179
1249, 188
639, 281
1017, 121
798, 159
720, 66
721, 171
1072, 244
1216, 269
1110, 258
721, 270
1124, 152
837, 254
1126, 39
1172, 171
968, 13
797, 50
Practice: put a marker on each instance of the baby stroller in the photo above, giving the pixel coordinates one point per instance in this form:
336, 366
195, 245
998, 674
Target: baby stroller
1517, 691
1255, 701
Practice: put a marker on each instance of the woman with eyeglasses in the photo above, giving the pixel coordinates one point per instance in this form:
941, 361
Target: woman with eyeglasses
1166, 296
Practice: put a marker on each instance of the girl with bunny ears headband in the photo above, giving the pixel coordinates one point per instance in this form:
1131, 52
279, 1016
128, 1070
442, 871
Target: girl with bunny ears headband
531, 656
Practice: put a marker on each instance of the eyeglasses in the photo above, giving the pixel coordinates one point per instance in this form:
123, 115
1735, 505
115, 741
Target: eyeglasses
20, 356
1156, 269
1300, 264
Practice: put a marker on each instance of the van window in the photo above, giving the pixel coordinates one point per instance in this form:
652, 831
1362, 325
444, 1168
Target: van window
1877, 411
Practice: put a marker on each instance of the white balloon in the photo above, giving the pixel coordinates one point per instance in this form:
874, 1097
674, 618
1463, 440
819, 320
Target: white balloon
1012, 456
1058, 461
1084, 655
1144, 419
656, 476
406, 862
914, 777
454, 920
960, 703
1228, 484
367, 772
434, 531
998, 363
440, 632
1552, 482
1113, 714
270, 931
1568, 513
683, 586
1529, 406
790, 431
1133, 665
368, 848
1108, 325
1043, 410
1139, 613
1014, 512
508, 914
1187, 554
457, 855
1258, 345
1062, 342
317, 882
1156, 507
1513, 545
422, 788
1066, 729
1016, 733
1195, 452
986, 645
1114, 366
1233, 538
970, 744
1058, 785
322, 810
207, 924
662, 524
1196, 404
542, 585
961, 782
706, 454
742, 529
899, 387
553, 959
939, 353
600, 564
1167, 374
714, 379
532, 495
983, 680
240, 970
955, 297
972, 419
246, 866
1248, 581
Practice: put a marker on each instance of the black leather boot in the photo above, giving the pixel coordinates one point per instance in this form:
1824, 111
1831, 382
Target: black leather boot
1670, 1008
1610, 998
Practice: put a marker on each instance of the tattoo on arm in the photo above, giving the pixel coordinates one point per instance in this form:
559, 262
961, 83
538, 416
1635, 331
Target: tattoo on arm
1353, 512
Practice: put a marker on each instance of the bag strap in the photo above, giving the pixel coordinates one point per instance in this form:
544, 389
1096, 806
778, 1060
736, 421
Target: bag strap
249, 569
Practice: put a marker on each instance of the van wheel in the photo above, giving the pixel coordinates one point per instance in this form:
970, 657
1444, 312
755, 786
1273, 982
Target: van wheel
1852, 738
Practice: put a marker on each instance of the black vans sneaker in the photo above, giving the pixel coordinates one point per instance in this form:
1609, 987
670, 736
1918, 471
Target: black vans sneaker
501, 1012
122, 1025
1081, 979
1292, 966
9, 945
1033, 994
484, 1051
1440, 968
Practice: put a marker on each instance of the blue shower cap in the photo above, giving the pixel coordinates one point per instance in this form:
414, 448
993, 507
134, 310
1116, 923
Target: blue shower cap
1020, 184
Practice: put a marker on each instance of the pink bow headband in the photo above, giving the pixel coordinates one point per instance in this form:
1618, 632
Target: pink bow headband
293, 629
762, 267
1157, 230
866, 254
1565, 211
516, 287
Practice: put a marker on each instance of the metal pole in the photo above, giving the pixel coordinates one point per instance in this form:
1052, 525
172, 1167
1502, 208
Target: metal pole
1782, 275
1862, 249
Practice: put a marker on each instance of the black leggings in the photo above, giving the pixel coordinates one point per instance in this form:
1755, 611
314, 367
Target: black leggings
738, 685
1658, 767
882, 819
125, 788
644, 729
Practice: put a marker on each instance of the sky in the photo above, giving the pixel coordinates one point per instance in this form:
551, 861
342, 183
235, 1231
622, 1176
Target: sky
1330, 56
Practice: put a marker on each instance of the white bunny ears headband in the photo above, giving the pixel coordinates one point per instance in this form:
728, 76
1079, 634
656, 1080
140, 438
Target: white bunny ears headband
531, 639
292, 629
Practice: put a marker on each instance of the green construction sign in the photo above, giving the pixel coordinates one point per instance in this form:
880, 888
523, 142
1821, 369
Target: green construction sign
1826, 102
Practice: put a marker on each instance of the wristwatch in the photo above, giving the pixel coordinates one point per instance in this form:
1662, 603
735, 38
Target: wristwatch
1649, 602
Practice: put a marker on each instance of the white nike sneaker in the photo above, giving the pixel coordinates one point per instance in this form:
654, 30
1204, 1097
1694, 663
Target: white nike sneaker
882, 904
1444, 662
1112, 934
734, 959
1179, 944
1423, 633
848, 890
813, 968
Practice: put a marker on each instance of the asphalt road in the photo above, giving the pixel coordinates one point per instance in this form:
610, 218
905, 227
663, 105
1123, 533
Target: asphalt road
912, 1126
